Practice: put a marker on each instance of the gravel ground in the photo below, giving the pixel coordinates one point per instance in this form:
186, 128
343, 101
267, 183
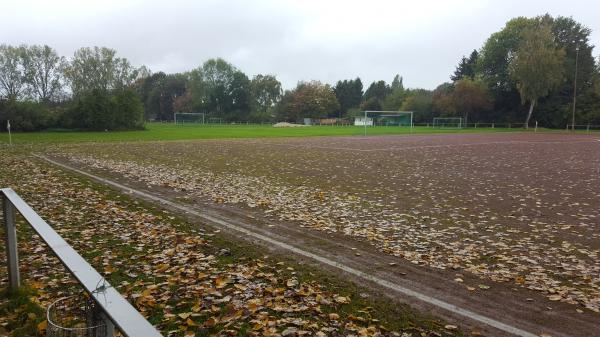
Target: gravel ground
512, 208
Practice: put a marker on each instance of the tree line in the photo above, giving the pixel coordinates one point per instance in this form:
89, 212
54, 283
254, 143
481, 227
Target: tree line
525, 71
93, 90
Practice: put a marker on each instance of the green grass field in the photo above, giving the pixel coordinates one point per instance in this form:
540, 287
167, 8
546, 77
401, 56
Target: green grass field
160, 131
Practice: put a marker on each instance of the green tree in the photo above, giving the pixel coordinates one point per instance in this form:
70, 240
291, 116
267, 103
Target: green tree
308, 100
147, 93
93, 110
43, 69
100, 110
240, 98
573, 37
443, 100
26, 115
129, 110
498, 51
466, 67
220, 90
537, 66
393, 101
469, 97
378, 90
588, 103
98, 68
165, 91
12, 73
420, 102
349, 94
371, 104
266, 92
397, 83
215, 76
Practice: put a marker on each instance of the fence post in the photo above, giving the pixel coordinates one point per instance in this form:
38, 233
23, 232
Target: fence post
110, 326
12, 254
492, 125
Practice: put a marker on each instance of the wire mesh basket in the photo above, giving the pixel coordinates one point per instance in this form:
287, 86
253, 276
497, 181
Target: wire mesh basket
75, 316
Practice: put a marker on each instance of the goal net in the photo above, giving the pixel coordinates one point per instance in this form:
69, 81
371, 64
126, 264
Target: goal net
386, 118
188, 118
448, 122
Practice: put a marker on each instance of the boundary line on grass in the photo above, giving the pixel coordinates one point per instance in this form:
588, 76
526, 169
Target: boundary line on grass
379, 281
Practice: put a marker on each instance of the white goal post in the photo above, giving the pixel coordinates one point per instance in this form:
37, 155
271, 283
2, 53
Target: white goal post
385, 118
188, 117
448, 122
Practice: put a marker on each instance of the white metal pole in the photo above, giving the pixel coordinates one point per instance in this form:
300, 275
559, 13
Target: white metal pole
365, 123
12, 253
411, 121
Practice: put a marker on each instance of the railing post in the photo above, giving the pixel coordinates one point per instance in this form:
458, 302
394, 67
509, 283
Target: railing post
12, 254
109, 326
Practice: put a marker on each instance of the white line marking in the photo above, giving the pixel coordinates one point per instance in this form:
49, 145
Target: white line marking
401, 148
387, 284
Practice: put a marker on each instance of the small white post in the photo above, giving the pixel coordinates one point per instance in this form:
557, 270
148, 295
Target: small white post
536, 123
411, 122
12, 253
9, 134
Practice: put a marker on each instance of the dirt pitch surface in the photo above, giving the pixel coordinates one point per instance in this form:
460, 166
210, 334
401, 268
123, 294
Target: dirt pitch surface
505, 225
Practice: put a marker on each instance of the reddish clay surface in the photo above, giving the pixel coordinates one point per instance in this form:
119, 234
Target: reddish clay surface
518, 213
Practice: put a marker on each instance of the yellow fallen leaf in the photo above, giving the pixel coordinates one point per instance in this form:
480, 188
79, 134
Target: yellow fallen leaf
42, 326
342, 299
221, 282
210, 322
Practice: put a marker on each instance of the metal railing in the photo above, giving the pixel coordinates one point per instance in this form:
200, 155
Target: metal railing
118, 313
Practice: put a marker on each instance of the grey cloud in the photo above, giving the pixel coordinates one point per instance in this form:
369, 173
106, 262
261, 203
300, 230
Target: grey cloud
323, 40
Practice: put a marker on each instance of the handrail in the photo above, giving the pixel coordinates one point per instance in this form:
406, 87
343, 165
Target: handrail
120, 312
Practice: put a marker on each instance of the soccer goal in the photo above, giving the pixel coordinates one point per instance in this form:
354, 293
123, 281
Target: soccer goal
188, 118
385, 118
448, 122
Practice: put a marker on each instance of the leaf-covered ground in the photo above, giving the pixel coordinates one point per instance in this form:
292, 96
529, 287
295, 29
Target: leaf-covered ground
518, 208
187, 279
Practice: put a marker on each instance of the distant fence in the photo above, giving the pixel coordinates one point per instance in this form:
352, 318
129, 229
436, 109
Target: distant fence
116, 312
583, 127
345, 122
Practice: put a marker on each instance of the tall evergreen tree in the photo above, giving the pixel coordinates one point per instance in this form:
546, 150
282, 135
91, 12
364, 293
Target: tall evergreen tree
349, 94
466, 68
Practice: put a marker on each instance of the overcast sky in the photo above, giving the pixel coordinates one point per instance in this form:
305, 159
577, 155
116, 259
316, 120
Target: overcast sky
422, 40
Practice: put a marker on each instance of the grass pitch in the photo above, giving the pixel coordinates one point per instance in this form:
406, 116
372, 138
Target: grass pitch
163, 131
